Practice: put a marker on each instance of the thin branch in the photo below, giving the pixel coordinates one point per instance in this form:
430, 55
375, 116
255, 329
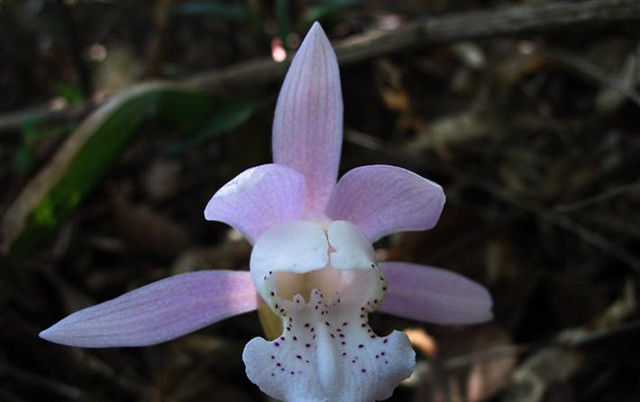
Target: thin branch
630, 188
561, 341
542, 18
38, 381
594, 72
14, 120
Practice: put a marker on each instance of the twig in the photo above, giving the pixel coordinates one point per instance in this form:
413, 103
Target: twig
597, 199
561, 341
29, 379
594, 72
533, 18
13, 120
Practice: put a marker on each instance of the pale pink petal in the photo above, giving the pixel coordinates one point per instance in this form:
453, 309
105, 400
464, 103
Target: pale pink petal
159, 311
434, 295
383, 199
307, 126
257, 199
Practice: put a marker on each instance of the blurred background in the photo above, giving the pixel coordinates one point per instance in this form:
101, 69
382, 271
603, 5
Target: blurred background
527, 112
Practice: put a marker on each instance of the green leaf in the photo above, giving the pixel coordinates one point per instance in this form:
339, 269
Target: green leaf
70, 93
327, 7
219, 9
106, 134
226, 117
23, 161
283, 18
32, 135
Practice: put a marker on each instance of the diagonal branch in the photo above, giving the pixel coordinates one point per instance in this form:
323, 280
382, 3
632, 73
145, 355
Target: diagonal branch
535, 18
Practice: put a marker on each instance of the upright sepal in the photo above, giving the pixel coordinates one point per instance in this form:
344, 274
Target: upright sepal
307, 126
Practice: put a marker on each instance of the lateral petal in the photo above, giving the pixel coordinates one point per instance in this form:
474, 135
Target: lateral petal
382, 199
434, 295
257, 199
158, 312
307, 126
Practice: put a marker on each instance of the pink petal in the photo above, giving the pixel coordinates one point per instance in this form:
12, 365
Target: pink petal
307, 126
434, 295
257, 199
159, 311
383, 199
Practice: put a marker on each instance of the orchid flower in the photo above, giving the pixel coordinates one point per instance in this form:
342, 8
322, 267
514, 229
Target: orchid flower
312, 261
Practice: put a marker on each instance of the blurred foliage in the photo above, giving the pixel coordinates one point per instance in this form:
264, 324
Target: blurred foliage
183, 108
32, 135
224, 118
324, 8
220, 9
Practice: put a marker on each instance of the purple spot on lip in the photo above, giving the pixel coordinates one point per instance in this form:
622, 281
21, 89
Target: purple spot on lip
360, 346
276, 344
